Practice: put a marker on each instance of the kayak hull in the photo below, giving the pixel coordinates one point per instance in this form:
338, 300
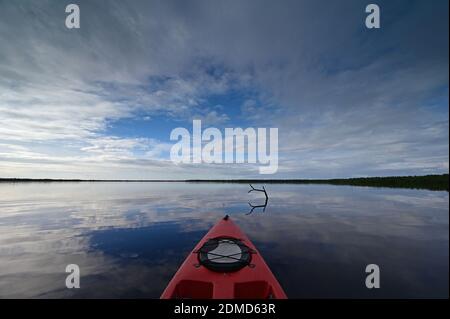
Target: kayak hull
195, 281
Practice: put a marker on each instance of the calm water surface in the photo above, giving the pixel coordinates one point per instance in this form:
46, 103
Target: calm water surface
130, 238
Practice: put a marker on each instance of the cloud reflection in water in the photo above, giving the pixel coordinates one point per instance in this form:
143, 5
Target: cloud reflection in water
129, 238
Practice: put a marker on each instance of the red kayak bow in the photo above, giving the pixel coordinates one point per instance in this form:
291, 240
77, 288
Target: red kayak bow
224, 265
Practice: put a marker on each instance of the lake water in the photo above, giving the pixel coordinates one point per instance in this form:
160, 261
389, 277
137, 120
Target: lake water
129, 238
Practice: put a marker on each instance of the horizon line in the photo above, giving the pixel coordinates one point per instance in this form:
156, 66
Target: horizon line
206, 180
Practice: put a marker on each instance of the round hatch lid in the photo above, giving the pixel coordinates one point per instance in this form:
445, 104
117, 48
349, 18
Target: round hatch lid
224, 254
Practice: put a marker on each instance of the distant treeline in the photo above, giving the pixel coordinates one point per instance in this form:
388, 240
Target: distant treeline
430, 182
51, 180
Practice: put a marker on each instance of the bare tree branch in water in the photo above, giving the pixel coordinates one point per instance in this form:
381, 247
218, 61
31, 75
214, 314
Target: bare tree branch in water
253, 207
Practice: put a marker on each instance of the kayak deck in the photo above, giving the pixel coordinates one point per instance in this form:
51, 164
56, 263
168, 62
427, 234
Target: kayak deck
215, 269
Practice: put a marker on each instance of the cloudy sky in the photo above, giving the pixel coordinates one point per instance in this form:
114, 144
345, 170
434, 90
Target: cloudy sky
101, 101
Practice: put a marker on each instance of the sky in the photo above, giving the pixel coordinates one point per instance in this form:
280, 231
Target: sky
99, 102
